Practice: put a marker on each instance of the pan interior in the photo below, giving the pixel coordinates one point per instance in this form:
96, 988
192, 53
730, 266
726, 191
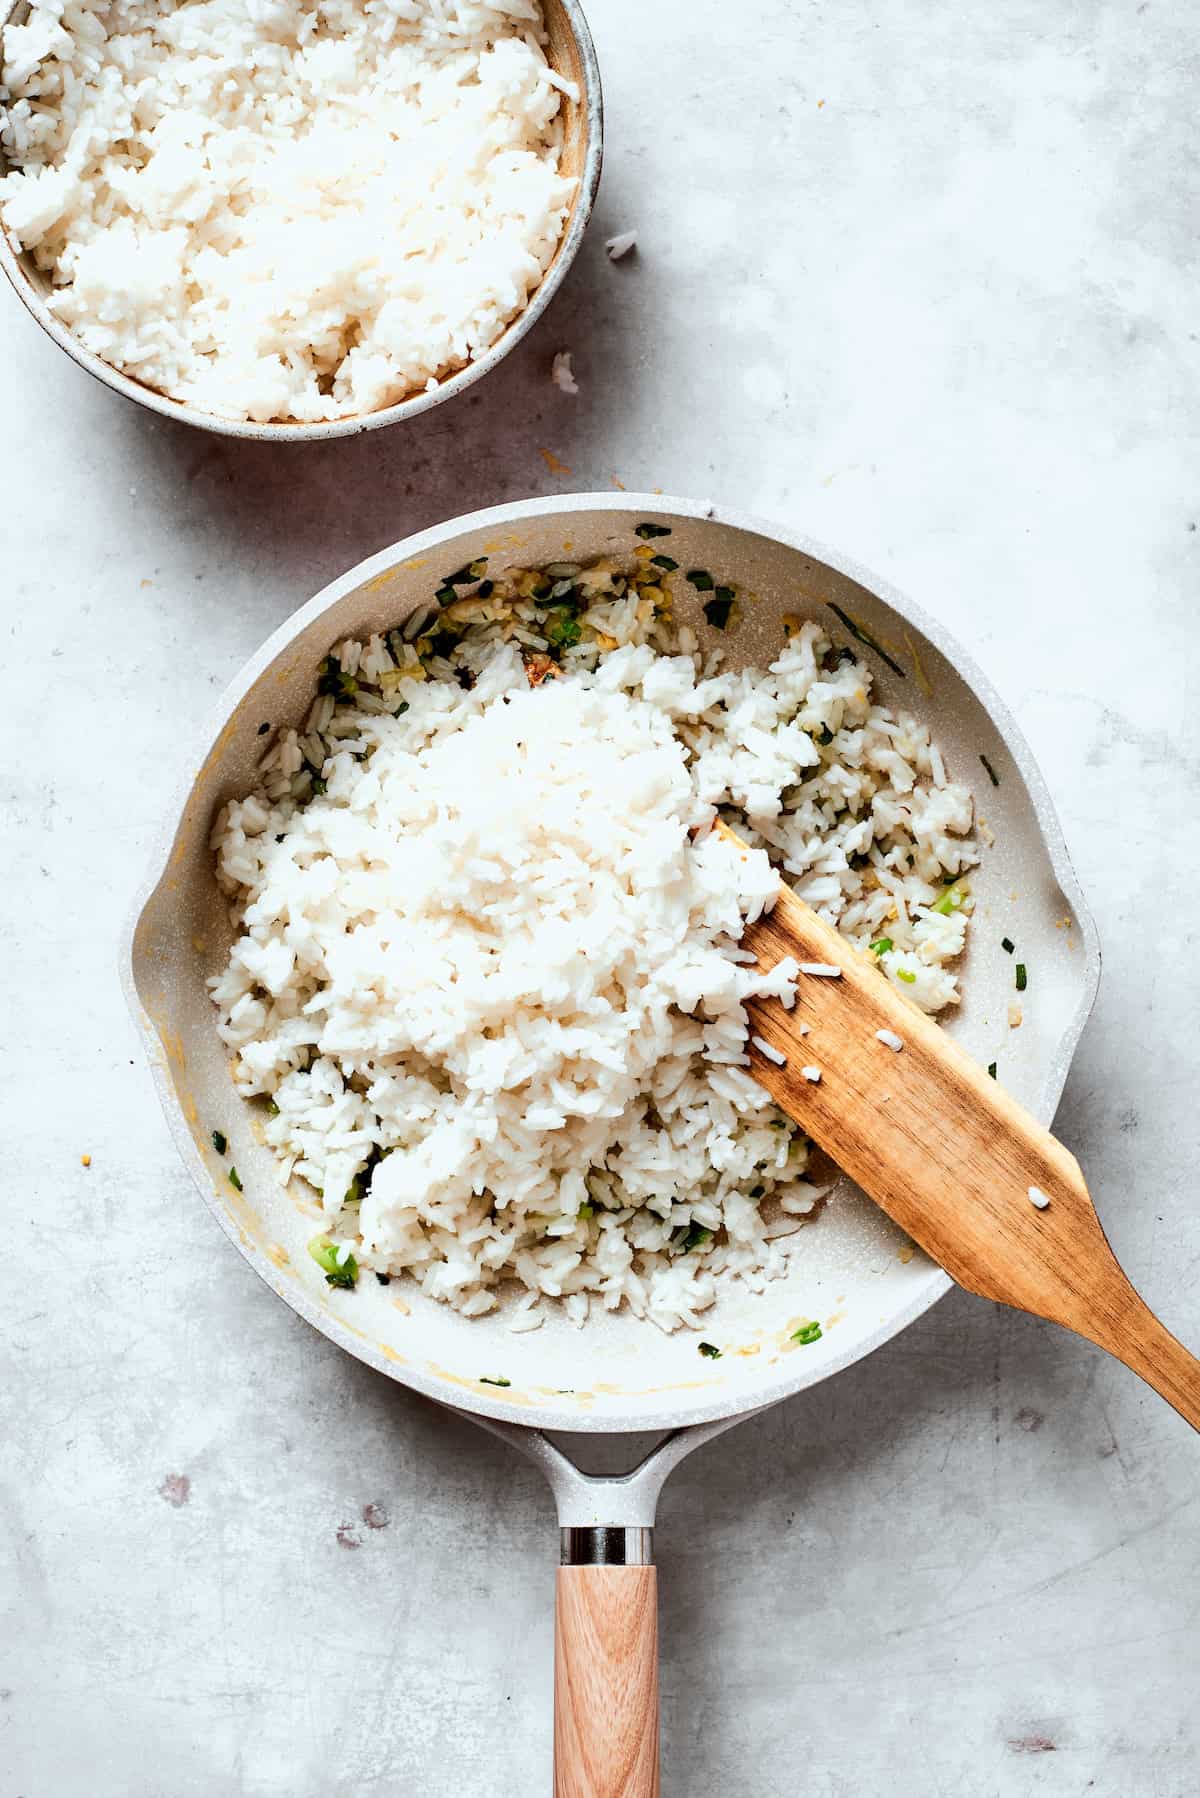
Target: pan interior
850, 1268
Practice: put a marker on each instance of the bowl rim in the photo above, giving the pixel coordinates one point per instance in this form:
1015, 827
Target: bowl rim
325, 430
746, 1398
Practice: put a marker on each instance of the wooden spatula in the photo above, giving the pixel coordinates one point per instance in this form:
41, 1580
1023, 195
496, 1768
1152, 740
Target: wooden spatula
959, 1165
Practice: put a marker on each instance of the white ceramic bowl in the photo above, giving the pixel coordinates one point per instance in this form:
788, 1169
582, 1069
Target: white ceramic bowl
852, 1268
572, 51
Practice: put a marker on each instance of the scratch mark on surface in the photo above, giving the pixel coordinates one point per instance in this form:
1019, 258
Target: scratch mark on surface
1032, 1745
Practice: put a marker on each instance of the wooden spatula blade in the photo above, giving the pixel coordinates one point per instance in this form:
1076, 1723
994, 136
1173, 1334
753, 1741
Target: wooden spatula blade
945, 1151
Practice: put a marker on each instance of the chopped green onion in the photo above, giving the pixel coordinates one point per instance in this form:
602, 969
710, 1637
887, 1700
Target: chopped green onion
826, 737
334, 682
384, 1279
263, 729
864, 636
882, 945
1022, 977
701, 579
445, 596
1007, 944
272, 1109
543, 589
665, 562
338, 1265
991, 772
319, 787
647, 531
992, 1069
400, 709
561, 628
907, 976
717, 609
487, 1380
951, 900
486, 589
807, 1333
220, 1141
756, 1192
586, 1211
691, 1236
235, 1179
710, 1351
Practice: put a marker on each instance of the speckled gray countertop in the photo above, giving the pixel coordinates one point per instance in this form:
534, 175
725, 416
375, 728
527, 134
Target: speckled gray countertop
919, 279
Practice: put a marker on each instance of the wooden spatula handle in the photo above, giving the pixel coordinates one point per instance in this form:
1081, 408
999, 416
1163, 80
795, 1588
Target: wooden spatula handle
1138, 1338
606, 1683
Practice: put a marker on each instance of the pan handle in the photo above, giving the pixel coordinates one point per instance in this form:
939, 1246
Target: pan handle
606, 1666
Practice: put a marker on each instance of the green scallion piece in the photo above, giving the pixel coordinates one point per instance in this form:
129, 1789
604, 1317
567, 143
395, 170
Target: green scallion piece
951, 900
263, 729
907, 976
691, 1236
864, 636
1022, 977
701, 580
272, 1109
384, 1279
400, 709
1007, 944
991, 772
826, 737
807, 1333
561, 628
710, 1351
647, 531
235, 1179
486, 1379
319, 787
717, 609
881, 945
486, 589
666, 562
446, 596
220, 1141
992, 1069
339, 1267
586, 1211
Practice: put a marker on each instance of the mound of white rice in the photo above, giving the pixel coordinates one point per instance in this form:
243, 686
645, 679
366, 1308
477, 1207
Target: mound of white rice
274, 209
486, 969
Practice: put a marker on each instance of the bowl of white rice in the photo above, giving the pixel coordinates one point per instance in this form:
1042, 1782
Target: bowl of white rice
440, 966
287, 220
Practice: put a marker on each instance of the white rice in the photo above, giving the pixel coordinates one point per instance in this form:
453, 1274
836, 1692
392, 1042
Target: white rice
813, 1075
274, 210
764, 1048
487, 969
890, 1040
1038, 1197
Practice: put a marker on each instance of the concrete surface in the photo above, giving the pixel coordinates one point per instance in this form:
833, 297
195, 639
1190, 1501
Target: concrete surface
919, 278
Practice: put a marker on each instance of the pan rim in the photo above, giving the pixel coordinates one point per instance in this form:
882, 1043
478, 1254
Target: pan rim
719, 1405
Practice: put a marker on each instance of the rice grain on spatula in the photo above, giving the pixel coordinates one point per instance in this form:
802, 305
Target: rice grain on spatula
890, 1039
812, 1074
764, 1048
1038, 1197
824, 970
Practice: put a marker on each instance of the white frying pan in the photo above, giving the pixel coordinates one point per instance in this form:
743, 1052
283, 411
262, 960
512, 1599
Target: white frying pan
617, 1375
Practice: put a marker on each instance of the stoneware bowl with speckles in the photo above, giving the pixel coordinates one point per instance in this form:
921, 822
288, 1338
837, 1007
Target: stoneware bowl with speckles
851, 1269
572, 52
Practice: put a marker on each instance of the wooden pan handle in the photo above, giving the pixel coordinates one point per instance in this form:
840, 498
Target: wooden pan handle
606, 1683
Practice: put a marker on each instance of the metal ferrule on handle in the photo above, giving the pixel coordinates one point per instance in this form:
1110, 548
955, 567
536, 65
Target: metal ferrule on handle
612, 1546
